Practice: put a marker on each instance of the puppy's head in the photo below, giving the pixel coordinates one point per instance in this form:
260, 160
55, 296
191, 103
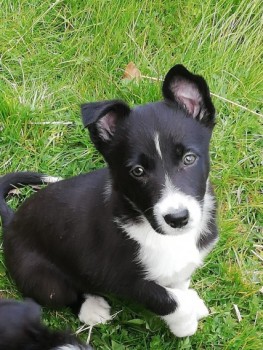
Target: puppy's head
21, 328
158, 153
17, 322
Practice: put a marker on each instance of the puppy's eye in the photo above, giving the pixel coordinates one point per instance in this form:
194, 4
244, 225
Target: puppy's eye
189, 159
137, 171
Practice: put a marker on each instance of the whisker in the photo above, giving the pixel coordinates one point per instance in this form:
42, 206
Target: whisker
150, 208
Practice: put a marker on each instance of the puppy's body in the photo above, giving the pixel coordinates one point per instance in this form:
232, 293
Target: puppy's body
77, 253
139, 228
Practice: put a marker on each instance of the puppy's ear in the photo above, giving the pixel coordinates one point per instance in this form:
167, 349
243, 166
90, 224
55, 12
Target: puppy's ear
101, 118
191, 92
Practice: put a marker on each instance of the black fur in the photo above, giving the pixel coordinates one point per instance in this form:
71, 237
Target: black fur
65, 237
19, 179
21, 329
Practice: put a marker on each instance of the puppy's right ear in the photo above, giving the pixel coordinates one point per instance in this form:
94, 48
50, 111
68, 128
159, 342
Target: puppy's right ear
191, 92
102, 118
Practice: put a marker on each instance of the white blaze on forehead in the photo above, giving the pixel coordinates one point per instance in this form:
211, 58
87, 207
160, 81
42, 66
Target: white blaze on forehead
157, 144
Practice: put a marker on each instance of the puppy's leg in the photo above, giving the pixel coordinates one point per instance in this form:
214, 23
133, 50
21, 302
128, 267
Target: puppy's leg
94, 310
177, 307
42, 281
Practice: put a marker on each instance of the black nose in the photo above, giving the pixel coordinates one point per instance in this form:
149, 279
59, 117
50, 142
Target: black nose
177, 218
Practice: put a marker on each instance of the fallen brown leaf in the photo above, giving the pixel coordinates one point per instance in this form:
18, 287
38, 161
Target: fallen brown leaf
131, 72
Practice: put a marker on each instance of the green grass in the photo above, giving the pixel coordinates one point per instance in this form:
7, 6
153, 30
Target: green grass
55, 55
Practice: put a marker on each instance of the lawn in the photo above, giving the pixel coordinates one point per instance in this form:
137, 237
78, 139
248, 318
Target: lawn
55, 55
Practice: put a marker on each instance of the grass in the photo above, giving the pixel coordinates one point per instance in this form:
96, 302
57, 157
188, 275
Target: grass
55, 55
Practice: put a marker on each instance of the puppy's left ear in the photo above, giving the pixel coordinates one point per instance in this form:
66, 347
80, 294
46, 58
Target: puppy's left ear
191, 92
102, 118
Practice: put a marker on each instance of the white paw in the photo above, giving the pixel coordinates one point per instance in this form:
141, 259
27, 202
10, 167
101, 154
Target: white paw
183, 321
183, 327
202, 311
94, 310
200, 307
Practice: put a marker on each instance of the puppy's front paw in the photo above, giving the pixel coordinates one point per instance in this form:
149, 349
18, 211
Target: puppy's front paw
182, 326
94, 310
201, 310
183, 321
200, 307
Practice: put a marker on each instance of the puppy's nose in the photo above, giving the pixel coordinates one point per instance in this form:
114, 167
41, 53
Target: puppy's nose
177, 218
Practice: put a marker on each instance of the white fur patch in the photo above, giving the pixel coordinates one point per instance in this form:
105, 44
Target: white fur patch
168, 260
94, 310
171, 259
50, 179
208, 207
173, 199
157, 145
184, 320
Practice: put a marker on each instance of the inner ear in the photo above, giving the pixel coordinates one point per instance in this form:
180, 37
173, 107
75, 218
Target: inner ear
107, 125
191, 92
187, 95
101, 118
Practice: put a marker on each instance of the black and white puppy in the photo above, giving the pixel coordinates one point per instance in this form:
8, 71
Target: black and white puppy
21, 328
138, 228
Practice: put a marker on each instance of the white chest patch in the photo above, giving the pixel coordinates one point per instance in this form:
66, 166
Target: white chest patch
168, 260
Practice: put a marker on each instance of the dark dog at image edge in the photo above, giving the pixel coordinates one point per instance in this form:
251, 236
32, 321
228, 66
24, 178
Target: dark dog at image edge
21, 329
138, 228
